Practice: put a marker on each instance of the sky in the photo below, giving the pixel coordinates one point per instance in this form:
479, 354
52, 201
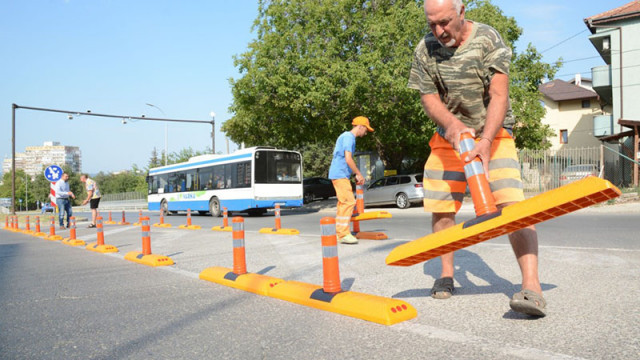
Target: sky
116, 56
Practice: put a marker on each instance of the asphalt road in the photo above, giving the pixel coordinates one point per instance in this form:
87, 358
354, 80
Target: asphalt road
61, 302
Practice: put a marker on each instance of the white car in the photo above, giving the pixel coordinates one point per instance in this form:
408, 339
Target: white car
401, 190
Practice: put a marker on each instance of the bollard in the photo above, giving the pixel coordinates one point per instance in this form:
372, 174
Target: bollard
359, 215
483, 200
146, 257
100, 230
38, 232
161, 223
356, 223
146, 239
124, 220
110, 221
225, 222
189, 226
239, 258
71, 240
139, 223
27, 226
52, 231
100, 246
330, 266
6, 222
278, 229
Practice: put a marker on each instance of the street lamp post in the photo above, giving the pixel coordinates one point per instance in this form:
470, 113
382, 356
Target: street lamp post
70, 113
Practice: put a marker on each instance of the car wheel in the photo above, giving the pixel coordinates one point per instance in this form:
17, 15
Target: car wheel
214, 207
402, 201
308, 197
164, 207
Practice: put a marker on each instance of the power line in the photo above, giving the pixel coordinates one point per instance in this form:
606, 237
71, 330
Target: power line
563, 41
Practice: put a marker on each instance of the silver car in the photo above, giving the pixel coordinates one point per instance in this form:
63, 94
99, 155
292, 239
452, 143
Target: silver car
577, 172
401, 190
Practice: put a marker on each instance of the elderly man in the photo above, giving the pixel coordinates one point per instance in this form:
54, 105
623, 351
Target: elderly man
461, 69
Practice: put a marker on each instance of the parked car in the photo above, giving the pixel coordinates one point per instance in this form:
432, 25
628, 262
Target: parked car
317, 187
577, 172
401, 190
46, 207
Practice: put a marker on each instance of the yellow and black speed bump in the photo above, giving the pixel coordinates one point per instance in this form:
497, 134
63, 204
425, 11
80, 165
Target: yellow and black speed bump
280, 231
73, 242
371, 215
378, 309
190, 227
102, 248
255, 283
149, 260
53, 237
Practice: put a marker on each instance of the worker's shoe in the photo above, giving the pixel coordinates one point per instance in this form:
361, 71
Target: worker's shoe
349, 239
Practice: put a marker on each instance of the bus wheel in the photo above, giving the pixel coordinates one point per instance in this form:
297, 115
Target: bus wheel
214, 207
164, 207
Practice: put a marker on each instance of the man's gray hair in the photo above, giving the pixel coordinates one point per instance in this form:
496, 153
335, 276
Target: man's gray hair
457, 4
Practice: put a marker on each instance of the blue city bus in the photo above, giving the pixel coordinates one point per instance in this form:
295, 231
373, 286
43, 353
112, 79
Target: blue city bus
249, 180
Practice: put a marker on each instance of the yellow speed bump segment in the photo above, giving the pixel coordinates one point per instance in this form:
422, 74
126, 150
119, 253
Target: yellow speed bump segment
146, 257
225, 222
100, 246
545, 206
372, 215
71, 240
162, 224
278, 229
372, 308
189, 226
255, 283
330, 296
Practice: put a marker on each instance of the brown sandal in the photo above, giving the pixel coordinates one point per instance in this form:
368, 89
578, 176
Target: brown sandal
529, 302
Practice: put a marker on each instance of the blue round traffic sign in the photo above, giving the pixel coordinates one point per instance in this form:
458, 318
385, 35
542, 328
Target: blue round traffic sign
53, 173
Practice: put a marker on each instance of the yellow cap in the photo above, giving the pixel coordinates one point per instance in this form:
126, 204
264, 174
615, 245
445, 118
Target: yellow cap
361, 120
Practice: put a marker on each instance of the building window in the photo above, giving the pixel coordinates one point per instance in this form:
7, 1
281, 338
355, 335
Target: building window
586, 104
564, 137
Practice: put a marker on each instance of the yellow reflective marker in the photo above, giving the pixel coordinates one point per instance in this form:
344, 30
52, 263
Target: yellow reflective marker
149, 260
545, 206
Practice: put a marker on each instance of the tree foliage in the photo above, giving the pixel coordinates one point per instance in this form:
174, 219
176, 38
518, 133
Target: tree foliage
315, 65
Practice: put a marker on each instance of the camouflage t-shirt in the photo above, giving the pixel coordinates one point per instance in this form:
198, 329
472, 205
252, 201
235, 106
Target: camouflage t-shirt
461, 76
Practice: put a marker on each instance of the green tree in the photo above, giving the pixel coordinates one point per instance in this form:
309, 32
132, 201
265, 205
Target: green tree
315, 65
154, 161
316, 159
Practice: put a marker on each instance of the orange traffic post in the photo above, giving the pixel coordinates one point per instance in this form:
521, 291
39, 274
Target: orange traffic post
100, 246
225, 222
189, 225
238, 277
38, 232
16, 224
145, 257
124, 220
6, 222
71, 240
278, 229
52, 231
330, 296
161, 224
139, 223
110, 221
483, 200
330, 265
27, 226
239, 258
360, 215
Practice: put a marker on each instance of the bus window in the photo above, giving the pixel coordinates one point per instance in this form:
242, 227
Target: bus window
274, 167
163, 183
206, 178
190, 180
218, 177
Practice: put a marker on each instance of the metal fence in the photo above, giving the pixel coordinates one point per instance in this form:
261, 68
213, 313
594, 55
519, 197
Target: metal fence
127, 200
542, 169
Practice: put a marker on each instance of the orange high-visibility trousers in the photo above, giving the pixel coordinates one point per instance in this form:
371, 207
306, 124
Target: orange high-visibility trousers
346, 202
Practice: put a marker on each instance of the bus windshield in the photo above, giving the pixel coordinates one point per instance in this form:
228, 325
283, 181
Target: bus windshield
276, 167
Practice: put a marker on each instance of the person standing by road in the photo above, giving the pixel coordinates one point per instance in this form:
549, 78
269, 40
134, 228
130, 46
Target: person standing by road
342, 166
93, 197
461, 69
63, 201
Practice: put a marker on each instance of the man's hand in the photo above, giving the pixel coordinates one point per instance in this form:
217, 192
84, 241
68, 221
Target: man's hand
85, 202
359, 179
452, 134
482, 150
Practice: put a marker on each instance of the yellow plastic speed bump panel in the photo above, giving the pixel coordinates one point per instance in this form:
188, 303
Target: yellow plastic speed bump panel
222, 228
53, 237
378, 309
372, 215
158, 225
255, 283
545, 206
73, 242
280, 231
102, 248
190, 227
149, 260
